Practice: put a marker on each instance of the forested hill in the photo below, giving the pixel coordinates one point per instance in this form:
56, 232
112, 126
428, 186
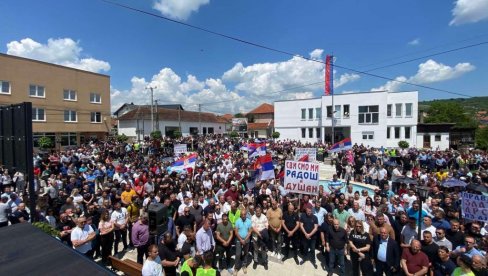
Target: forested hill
471, 105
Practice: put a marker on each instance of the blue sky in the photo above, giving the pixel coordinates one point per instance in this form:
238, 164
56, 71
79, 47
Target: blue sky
190, 67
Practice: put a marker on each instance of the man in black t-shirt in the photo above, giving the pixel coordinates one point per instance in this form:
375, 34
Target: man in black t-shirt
360, 244
64, 227
309, 226
290, 232
336, 245
167, 254
430, 248
186, 219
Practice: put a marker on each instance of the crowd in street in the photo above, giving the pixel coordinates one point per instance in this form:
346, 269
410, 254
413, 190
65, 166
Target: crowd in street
220, 216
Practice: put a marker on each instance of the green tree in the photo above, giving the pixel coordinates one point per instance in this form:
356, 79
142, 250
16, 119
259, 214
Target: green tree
234, 134
156, 134
122, 138
177, 134
275, 135
403, 144
239, 115
449, 112
45, 142
482, 138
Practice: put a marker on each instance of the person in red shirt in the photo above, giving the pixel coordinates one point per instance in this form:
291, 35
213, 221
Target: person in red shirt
232, 192
414, 262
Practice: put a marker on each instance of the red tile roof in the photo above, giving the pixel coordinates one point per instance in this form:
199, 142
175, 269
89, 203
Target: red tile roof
264, 108
256, 126
171, 115
228, 117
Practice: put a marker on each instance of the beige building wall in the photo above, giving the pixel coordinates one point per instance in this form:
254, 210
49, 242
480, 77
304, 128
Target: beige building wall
20, 73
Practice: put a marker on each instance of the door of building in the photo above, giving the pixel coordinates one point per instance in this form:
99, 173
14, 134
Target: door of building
426, 140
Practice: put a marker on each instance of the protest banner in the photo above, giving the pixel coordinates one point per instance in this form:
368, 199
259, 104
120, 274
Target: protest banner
180, 149
310, 152
302, 177
474, 207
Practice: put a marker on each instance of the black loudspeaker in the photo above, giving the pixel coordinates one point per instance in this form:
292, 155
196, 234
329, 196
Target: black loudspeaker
158, 222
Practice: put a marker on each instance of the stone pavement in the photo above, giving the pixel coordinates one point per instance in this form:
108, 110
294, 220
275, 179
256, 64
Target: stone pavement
275, 267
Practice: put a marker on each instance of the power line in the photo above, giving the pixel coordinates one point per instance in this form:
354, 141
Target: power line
277, 50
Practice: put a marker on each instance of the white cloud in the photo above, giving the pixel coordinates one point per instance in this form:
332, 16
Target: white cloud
430, 72
345, 78
62, 51
241, 87
179, 9
469, 11
414, 42
316, 54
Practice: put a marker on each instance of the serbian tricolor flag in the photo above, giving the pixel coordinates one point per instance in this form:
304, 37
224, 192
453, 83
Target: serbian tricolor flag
267, 167
184, 163
329, 75
256, 149
341, 145
303, 158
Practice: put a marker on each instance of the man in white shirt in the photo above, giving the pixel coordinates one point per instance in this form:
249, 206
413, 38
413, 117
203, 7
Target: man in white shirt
427, 226
260, 236
82, 236
120, 217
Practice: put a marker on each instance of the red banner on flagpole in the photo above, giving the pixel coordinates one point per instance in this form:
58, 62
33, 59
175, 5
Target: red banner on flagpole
327, 75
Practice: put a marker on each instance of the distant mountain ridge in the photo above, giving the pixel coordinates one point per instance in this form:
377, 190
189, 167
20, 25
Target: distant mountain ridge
472, 105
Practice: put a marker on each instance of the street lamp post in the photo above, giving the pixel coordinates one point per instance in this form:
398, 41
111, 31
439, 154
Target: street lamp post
423, 192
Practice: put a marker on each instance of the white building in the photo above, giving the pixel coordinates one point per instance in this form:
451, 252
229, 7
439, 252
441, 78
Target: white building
370, 118
136, 123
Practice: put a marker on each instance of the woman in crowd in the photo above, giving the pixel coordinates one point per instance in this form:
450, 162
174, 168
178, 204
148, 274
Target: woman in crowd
106, 227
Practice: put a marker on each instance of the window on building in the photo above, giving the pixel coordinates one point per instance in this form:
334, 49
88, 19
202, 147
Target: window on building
388, 110
437, 138
346, 111
317, 132
388, 133
4, 87
204, 131
68, 139
368, 135
329, 111
408, 130
398, 110
70, 116
95, 98
310, 133
310, 113
408, 110
69, 95
193, 130
96, 117
37, 91
337, 111
210, 130
38, 114
304, 113
397, 132
304, 130
368, 114
318, 113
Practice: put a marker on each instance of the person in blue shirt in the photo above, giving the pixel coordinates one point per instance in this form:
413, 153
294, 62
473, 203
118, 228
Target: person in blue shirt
439, 221
319, 212
243, 230
335, 185
467, 249
414, 210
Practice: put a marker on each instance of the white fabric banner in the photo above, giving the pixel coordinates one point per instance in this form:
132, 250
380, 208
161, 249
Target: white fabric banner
302, 177
475, 207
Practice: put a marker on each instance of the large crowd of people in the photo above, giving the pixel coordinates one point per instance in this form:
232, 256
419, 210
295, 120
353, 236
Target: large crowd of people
220, 216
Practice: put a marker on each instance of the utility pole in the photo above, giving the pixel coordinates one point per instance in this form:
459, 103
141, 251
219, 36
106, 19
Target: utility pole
200, 118
179, 119
157, 115
152, 106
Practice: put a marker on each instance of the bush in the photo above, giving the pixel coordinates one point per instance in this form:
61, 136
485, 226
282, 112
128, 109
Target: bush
234, 134
46, 228
403, 144
156, 134
122, 138
45, 142
177, 134
275, 135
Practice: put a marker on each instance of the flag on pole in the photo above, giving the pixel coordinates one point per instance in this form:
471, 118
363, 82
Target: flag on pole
267, 167
329, 75
256, 149
184, 163
304, 158
341, 145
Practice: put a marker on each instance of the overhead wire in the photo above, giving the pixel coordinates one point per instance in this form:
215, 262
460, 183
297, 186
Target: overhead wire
278, 50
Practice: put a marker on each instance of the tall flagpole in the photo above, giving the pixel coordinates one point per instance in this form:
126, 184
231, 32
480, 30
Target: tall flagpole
332, 92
